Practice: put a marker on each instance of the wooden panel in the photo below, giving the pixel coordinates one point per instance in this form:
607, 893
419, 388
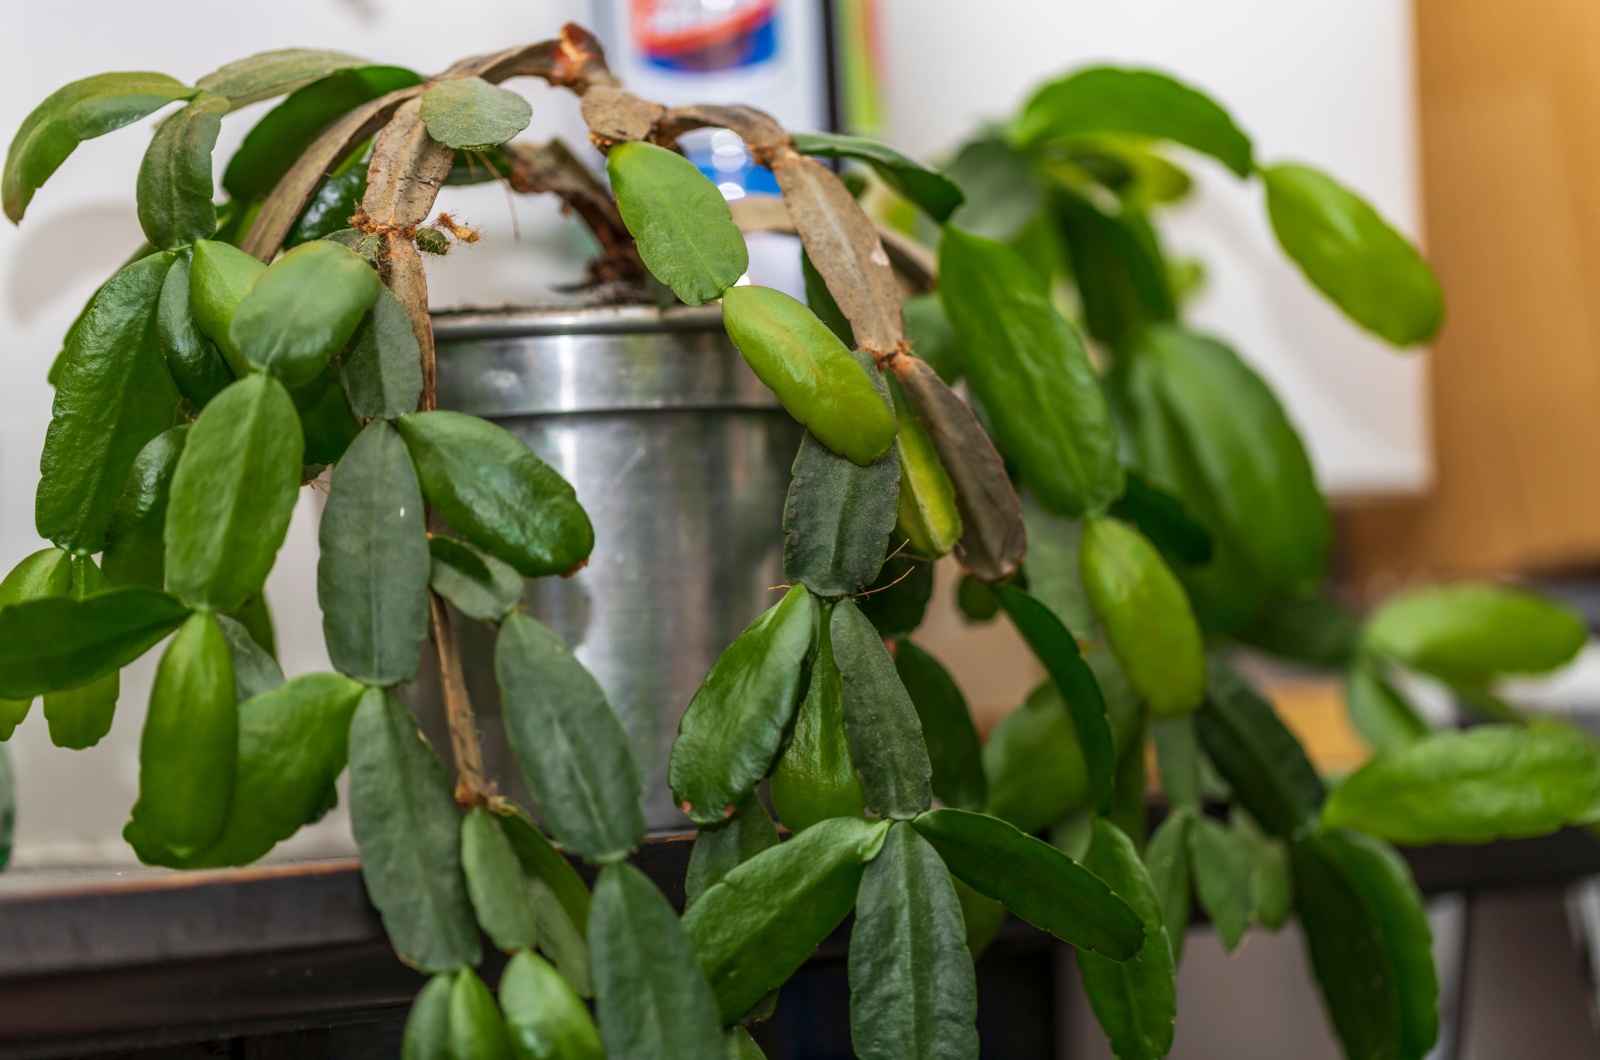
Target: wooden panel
1510, 100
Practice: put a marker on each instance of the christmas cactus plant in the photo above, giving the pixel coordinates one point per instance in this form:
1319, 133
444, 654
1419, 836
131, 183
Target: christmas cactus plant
282, 337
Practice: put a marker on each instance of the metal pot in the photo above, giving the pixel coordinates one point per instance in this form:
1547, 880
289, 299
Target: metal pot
681, 458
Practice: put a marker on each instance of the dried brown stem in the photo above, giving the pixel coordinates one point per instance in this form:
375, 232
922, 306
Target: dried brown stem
553, 168
471, 788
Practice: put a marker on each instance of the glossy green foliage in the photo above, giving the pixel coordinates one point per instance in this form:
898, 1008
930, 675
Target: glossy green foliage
188, 753
928, 516
1166, 859
1135, 1001
476, 1027
272, 73
283, 133
197, 366
497, 493
682, 224
1027, 366
812, 372
912, 988
651, 1000
79, 717
1471, 632
1136, 103
58, 642
1034, 763
721, 848
469, 113
740, 1046
571, 748
1262, 762
500, 898
303, 309
1056, 648
952, 740
175, 184
1035, 881
427, 1034
815, 778
733, 727
1369, 943
374, 566
332, 208
403, 815
381, 368
113, 395
1222, 862
545, 1020
1380, 713
880, 721
232, 494
1162, 518
836, 519
1490, 782
80, 111
479, 585
933, 192
220, 276
758, 925
1352, 255
1146, 617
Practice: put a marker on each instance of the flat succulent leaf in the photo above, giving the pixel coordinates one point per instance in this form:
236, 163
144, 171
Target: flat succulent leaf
815, 778
135, 550
912, 988
1141, 103
325, 418
1315, 630
80, 717
303, 310
1178, 761
933, 192
80, 111
1146, 617
837, 519
1030, 370
570, 746
1470, 632
721, 848
735, 723
197, 366
896, 602
815, 375
1034, 763
545, 1020
740, 1046
880, 721
175, 186
1166, 859
479, 585
820, 301
1123, 281
952, 740
469, 113
113, 395
188, 752
47, 572
1056, 648
1162, 517
331, 209
680, 220
651, 1000
1380, 713
58, 642
427, 1033
374, 564
497, 493
403, 815
753, 929
476, 1026
220, 275
928, 515
381, 368
539, 858
928, 332
13, 712
1134, 1001
1221, 861
982, 914
1035, 881
1353, 256
272, 73
1004, 193
500, 898
1262, 762
232, 494
1271, 887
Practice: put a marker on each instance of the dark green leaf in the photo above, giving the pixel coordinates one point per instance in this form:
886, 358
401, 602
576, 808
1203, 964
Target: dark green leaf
188, 753
493, 489
1029, 369
897, 600
819, 381
479, 585
1315, 630
1116, 259
80, 111
427, 1035
255, 671
1383, 717
382, 367
1166, 859
815, 778
651, 1000
372, 574
1222, 865
331, 209
733, 727
495, 883
758, 925
197, 366
175, 185
1128, 810
976, 600
680, 220
13, 712
1178, 761
1259, 758
1002, 193
232, 494
880, 721
544, 1018
256, 617
929, 189
272, 73
947, 729
220, 276
1034, 763
79, 717
1056, 648
1134, 1001
982, 915
325, 418
303, 309
113, 395
741, 1046
912, 988
134, 546
721, 848
1470, 632
820, 301
1035, 881
1139, 103
541, 859
403, 815
837, 519
928, 332
471, 114
59, 642
572, 750
1352, 255
1162, 518
1271, 892
476, 1029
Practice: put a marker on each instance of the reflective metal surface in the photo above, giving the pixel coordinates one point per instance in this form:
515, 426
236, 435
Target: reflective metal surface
681, 458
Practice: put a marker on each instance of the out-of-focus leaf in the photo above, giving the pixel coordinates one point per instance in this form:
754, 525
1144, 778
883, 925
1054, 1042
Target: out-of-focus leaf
1258, 757
1383, 717
1470, 632
947, 728
929, 189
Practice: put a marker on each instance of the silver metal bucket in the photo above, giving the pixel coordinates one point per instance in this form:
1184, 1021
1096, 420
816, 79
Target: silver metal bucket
681, 458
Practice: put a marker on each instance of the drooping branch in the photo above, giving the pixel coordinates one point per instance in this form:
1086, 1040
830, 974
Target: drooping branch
913, 261
553, 168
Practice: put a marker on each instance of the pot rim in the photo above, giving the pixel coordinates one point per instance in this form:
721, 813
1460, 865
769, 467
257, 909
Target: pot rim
463, 325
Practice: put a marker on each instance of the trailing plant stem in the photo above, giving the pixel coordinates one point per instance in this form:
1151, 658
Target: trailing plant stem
471, 788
